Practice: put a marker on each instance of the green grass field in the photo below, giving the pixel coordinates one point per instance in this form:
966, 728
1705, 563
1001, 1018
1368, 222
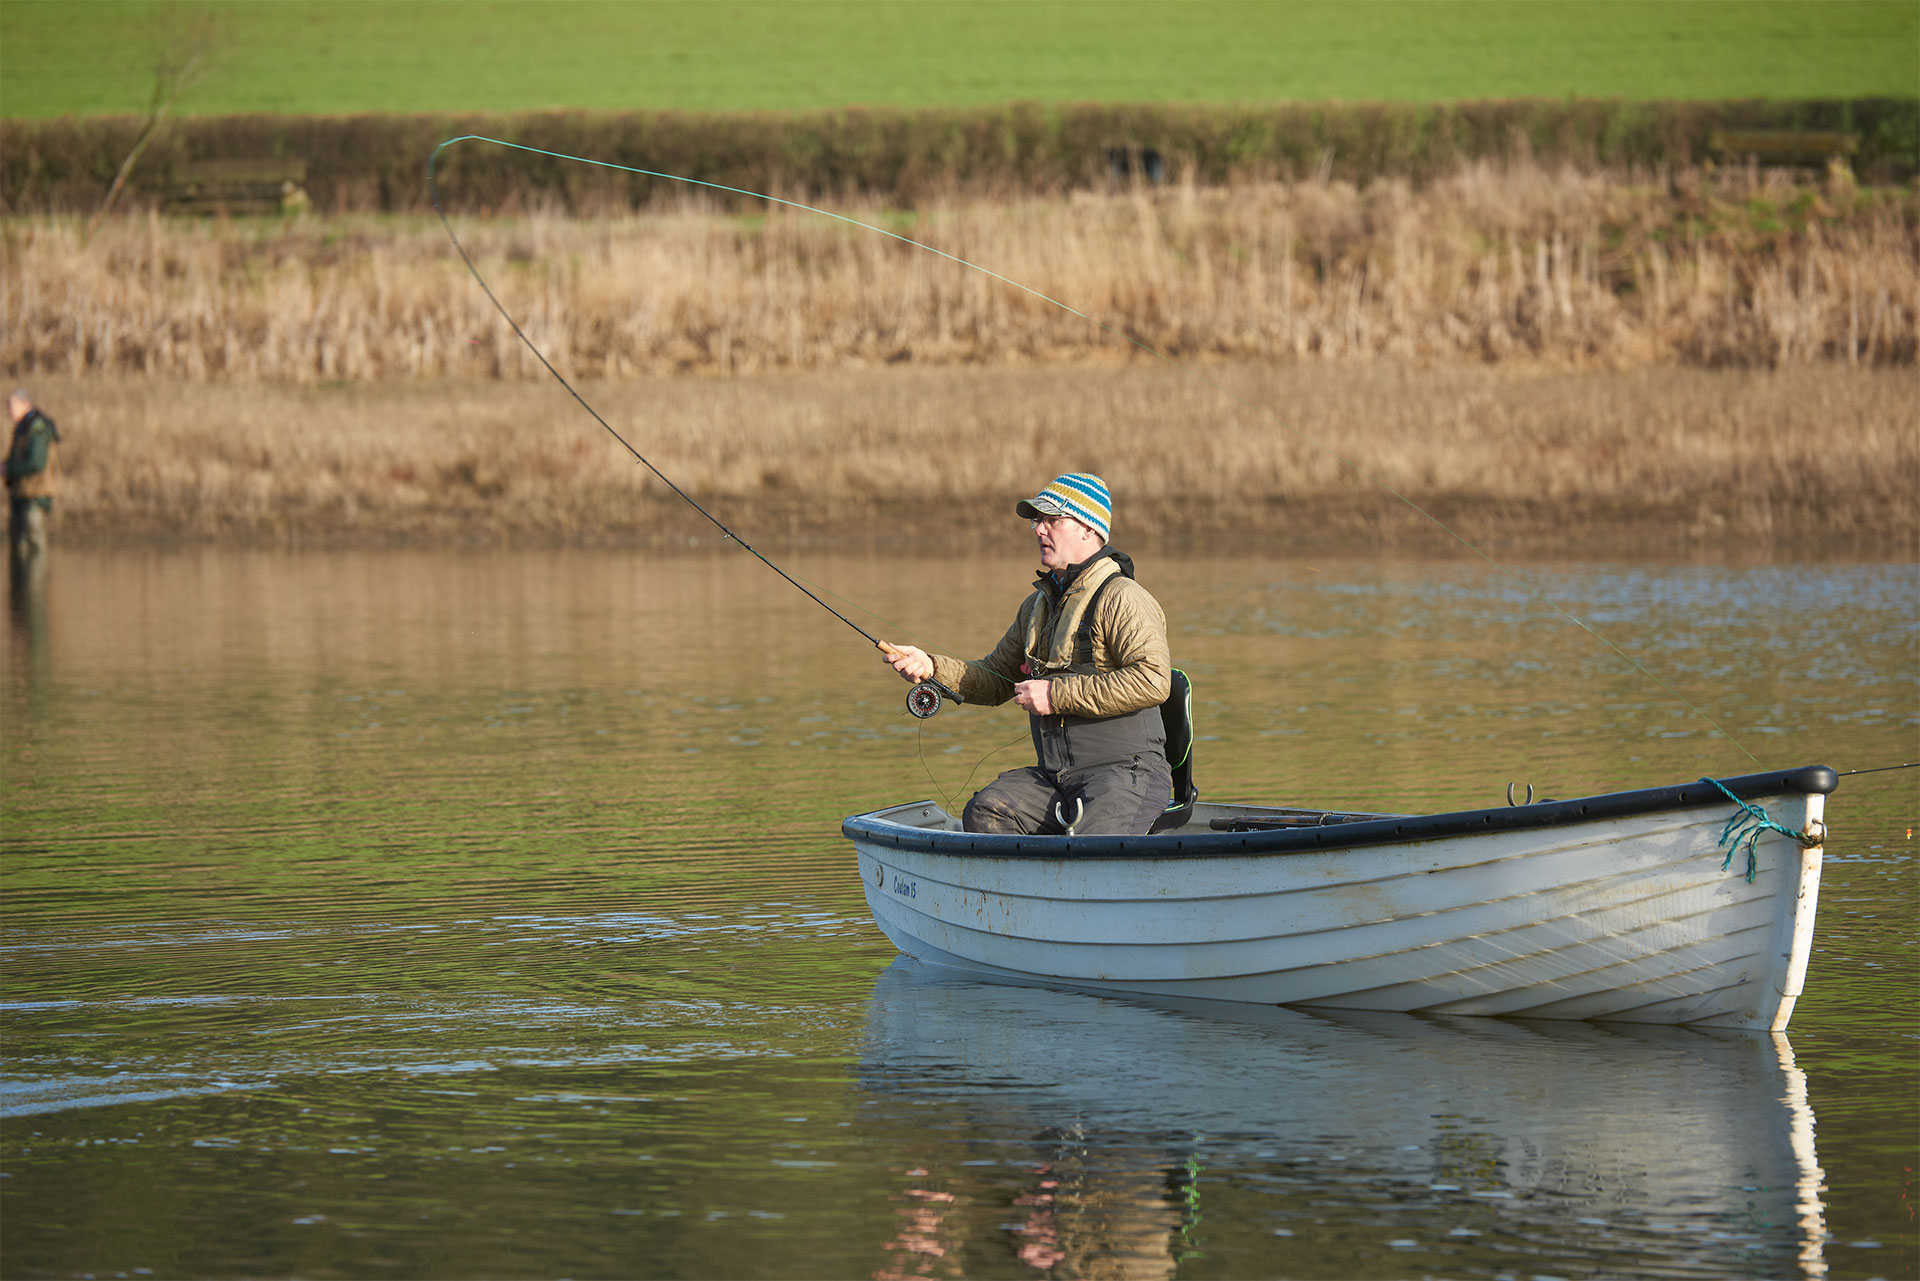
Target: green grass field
85, 57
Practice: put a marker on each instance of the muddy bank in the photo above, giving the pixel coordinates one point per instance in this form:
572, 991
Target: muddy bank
1230, 455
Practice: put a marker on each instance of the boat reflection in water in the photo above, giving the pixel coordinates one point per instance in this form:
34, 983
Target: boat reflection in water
1097, 1135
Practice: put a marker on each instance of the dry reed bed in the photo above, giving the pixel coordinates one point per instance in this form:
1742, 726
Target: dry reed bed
1238, 453
1491, 264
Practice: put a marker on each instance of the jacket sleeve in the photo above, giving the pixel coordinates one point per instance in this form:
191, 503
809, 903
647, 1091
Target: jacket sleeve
989, 680
1130, 648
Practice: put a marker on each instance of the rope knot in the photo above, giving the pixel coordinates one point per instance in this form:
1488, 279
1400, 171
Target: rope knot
1746, 826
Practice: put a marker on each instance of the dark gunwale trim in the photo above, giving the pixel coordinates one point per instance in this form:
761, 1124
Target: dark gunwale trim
872, 830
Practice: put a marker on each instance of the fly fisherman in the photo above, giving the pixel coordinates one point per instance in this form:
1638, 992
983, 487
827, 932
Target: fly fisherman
1087, 659
29, 477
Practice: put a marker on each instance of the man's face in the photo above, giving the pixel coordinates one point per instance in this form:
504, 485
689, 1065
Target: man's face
18, 407
1064, 541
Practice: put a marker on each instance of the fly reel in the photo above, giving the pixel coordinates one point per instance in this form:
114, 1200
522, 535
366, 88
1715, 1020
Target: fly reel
924, 699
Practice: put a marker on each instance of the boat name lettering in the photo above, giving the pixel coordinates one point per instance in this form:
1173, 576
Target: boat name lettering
905, 888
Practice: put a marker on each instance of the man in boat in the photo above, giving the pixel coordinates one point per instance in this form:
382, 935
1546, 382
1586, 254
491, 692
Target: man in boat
29, 477
1087, 659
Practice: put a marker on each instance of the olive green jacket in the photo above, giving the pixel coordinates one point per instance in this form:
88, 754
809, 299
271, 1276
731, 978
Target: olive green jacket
1130, 668
30, 458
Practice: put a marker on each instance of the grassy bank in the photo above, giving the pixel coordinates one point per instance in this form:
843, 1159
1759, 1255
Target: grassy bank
1248, 455
1514, 263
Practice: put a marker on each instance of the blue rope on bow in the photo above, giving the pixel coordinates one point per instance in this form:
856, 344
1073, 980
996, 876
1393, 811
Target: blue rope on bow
1747, 823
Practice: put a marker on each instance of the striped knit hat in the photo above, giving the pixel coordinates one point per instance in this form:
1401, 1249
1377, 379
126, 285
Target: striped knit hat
1078, 494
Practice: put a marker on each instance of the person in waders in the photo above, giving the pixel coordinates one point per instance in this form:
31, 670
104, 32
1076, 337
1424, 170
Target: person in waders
29, 478
1087, 659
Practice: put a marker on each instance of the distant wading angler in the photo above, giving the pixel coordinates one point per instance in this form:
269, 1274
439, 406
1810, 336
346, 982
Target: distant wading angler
1087, 659
30, 482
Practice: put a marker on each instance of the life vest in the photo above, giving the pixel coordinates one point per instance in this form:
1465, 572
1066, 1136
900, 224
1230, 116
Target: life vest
1072, 741
1059, 639
36, 484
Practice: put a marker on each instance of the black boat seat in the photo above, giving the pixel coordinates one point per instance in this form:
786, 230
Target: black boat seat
1177, 714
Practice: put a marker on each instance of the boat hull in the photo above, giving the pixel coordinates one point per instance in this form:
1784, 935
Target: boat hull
1624, 907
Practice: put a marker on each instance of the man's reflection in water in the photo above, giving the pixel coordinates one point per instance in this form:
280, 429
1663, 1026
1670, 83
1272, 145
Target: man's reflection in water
27, 616
1106, 1214
1092, 1213
925, 1245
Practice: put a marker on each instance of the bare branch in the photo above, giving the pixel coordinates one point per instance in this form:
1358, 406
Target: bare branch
185, 49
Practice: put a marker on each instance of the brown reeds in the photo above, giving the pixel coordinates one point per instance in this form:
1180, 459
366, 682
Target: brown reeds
1527, 353
1491, 264
1235, 455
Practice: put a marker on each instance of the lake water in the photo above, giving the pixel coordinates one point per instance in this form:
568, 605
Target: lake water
486, 914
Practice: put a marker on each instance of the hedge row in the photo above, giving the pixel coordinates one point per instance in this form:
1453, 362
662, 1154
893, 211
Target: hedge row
377, 163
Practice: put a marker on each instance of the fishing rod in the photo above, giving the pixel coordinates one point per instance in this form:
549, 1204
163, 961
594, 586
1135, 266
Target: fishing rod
926, 697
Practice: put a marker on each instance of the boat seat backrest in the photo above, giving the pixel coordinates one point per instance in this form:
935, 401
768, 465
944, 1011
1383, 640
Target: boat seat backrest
1177, 715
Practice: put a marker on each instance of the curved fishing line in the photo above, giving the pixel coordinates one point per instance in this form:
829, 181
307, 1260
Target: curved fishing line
946, 797
1012, 742
1260, 410
920, 745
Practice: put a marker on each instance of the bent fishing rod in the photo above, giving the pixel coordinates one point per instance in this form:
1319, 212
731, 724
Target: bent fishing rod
929, 693
924, 699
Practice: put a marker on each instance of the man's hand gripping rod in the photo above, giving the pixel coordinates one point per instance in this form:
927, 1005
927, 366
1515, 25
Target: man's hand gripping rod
923, 700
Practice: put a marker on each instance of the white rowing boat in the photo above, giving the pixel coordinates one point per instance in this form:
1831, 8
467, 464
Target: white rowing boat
1624, 907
